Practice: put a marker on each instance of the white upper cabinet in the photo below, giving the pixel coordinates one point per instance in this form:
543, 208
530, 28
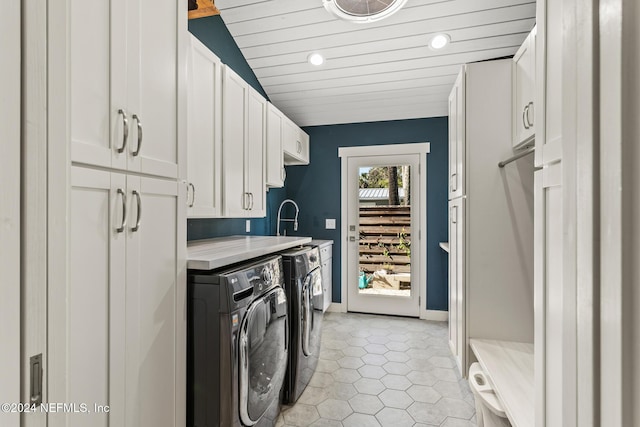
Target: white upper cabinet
295, 144
204, 120
123, 82
274, 166
457, 137
254, 153
524, 81
549, 78
243, 120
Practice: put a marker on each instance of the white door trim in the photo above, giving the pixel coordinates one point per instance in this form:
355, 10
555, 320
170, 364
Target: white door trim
10, 77
385, 150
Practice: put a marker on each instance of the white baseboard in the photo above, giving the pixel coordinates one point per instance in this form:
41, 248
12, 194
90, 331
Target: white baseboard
436, 315
337, 307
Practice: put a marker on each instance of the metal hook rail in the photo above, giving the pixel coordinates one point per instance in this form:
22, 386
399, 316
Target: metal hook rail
516, 157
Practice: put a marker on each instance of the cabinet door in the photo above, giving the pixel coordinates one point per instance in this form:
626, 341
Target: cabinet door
295, 145
523, 92
555, 363
235, 199
549, 77
204, 131
274, 173
457, 137
154, 309
153, 48
457, 329
254, 154
96, 77
92, 321
327, 283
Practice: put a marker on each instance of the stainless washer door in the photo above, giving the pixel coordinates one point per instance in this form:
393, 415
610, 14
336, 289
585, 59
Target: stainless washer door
263, 345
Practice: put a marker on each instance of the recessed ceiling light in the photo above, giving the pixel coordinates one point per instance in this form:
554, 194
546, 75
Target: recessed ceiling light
439, 41
316, 59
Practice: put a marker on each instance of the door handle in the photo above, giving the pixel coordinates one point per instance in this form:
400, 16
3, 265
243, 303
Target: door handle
125, 130
139, 214
193, 193
525, 117
123, 224
139, 125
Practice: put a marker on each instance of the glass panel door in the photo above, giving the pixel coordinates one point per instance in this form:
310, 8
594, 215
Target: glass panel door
263, 355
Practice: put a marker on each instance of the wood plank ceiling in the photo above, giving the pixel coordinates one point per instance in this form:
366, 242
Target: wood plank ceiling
376, 71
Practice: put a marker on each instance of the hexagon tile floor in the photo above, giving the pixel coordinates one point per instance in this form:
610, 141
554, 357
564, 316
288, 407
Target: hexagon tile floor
383, 371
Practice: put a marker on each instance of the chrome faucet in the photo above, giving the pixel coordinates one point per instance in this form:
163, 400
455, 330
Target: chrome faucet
294, 220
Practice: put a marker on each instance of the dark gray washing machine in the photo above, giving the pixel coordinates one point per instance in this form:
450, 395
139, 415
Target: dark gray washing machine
237, 345
303, 286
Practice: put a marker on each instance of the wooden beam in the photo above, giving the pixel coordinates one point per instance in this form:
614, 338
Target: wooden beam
205, 8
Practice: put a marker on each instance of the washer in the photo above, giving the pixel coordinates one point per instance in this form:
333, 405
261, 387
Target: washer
237, 345
303, 285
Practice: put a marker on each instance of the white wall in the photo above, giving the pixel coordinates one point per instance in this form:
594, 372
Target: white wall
10, 208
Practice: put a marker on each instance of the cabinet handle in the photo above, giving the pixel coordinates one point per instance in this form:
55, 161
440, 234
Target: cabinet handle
454, 215
283, 173
124, 211
139, 215
125, 130
250, 201
530, 108
193, 193
524, 117
244, 201
139, 124
454, 182
299, 147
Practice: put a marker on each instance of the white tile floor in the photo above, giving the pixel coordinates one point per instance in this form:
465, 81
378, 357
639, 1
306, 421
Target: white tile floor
383, 371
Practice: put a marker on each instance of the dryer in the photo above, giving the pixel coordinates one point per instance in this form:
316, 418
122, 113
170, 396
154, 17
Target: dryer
237, 345
303, 286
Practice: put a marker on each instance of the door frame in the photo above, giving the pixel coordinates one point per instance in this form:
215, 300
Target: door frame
10, 170
421, 149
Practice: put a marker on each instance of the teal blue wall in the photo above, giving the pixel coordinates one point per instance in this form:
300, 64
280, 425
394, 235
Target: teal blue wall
213, 32
316, 188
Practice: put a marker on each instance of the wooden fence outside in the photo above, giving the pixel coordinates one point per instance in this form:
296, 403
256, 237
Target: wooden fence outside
385, 239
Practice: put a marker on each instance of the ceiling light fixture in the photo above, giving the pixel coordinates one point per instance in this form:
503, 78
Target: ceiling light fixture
363, 11
315, 59
439, 41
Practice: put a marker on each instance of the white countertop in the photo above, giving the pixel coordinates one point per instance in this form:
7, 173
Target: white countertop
445, 246
319, 242
509, 365
214, 253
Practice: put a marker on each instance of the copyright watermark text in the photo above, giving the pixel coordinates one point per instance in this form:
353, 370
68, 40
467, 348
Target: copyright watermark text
52, 408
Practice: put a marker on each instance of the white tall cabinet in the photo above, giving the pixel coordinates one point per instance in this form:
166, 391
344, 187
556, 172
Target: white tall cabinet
490, 216
117, 212
555, 339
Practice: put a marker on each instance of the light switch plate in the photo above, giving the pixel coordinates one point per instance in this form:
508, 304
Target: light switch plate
248, 226
330, 223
